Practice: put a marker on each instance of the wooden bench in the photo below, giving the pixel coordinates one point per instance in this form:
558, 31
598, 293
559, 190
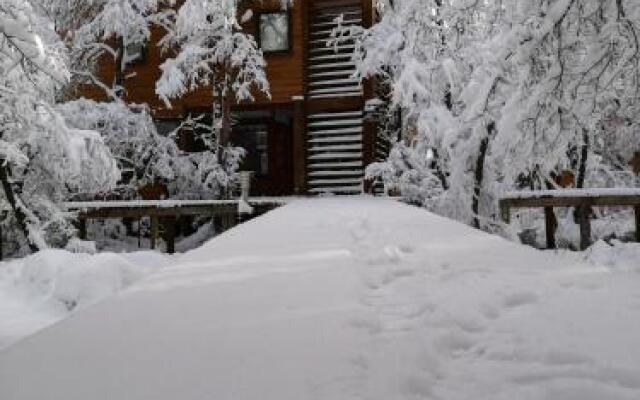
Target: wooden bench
582, 199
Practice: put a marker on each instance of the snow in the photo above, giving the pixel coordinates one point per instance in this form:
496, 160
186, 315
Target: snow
88, 205
351, 298
46, 287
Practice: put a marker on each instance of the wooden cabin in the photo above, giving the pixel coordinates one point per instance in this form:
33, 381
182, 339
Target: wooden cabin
312, 136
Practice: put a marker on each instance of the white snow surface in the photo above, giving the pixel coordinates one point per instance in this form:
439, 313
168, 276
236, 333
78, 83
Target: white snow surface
46, 287
351, 298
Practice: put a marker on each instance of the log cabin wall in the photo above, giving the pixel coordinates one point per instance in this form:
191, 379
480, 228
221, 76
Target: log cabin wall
303, 156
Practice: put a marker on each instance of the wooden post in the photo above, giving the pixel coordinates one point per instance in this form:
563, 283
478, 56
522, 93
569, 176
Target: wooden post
82, 228
584, 215
505, 212
299, 146
550, 224
169, 225
637, 209
154, 231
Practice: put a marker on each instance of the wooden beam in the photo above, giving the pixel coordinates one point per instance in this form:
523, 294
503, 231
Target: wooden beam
121, 212
299, 147
154, 231
169, 225
82, 228
505, 211
550, 224
572, 201
584, 215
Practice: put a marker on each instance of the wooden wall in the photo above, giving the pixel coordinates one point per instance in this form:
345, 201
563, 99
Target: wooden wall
285, 71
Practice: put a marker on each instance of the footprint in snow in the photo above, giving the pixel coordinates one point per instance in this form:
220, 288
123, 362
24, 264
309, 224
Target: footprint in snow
519, 299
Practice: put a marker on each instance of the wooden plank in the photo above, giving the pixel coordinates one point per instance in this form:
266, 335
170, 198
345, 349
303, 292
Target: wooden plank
505, 211
82, 228
551, 224
572, 201
169, 225
154, 232
299, 147
584, 215
119, 212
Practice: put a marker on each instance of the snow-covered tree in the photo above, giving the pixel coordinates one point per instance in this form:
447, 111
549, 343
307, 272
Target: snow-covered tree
42, 160
501, 95
213, 52
115, 30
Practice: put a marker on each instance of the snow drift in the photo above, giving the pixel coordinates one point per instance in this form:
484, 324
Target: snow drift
45, 287
350, 298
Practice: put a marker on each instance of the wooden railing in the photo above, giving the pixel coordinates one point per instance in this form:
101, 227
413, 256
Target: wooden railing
582, 199
165, 213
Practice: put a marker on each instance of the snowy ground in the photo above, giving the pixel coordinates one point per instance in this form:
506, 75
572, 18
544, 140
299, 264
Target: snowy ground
46, 287
351, 298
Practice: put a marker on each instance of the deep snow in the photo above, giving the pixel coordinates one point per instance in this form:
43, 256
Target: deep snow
41, 289
351, 298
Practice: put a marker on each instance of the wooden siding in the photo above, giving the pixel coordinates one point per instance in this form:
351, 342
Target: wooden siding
285, 71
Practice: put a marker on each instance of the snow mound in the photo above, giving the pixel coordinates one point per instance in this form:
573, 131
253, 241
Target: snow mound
617, 255
351, 298
45, 287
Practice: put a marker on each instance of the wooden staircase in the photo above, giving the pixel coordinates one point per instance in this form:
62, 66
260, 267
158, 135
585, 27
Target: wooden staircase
335, 162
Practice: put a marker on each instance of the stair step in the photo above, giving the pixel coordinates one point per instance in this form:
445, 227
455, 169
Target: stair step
336, 95
326, 33
336, 90
328, 132
337, 189
337, 122
337, 147
339, 114
352, 172
351, 181
335, 14
335, 156
320, 75
345, 22
333, 48
335, 82
323, 42
339, 164
344, 64
337, 139
337, 56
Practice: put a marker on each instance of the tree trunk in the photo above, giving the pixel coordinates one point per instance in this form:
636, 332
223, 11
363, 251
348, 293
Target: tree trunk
118, 79
584, 155
14, 201
479, 174
225, 131
438, 170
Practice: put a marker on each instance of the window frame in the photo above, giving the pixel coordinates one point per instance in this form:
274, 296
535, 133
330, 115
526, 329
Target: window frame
144, 47
289, 48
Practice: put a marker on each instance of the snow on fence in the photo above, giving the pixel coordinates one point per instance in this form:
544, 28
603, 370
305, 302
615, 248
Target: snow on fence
165, 212
582, 199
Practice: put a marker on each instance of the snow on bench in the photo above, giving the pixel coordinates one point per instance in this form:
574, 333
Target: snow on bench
582, 199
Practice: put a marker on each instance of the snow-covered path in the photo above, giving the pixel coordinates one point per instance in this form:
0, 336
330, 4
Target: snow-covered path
348, 298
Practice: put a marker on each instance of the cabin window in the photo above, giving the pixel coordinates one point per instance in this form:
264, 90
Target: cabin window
136, 52
255, 140
274, 32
